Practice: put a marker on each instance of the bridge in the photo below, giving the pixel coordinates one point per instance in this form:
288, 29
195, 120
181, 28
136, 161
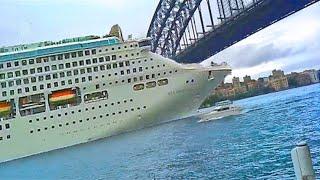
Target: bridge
191, 31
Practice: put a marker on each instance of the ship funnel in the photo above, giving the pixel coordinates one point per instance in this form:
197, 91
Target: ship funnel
116, 32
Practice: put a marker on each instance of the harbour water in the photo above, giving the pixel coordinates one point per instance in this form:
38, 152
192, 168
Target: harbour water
255, 145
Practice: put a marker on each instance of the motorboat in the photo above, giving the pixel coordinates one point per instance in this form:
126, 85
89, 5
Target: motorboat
221, 109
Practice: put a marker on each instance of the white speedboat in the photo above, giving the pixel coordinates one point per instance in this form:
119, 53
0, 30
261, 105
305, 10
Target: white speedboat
222, 109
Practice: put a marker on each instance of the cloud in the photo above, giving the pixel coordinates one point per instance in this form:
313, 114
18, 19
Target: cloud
291, 44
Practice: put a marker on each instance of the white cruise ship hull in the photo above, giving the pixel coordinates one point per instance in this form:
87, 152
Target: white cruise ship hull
124, 110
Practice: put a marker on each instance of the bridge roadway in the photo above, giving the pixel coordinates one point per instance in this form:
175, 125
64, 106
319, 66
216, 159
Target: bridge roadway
253, 19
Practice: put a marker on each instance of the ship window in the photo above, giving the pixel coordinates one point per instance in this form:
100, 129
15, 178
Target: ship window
81, 63
48, 77
68, 65
62, 74
75, 72
95, 69
69, 73
34, 88
10, 74
25, 72
102, 67
80, 53
4, 93
120, 64
135, 79
60, 57
108, 66
122, 72
16, 63
39, 69
53, 58
141, 78
24, 62
73, 54
55, 76
54, 67
74, 64
61, 66
26, 81
128, 71
83, 79
47, 68
48, 85
94, 60
69, 81
67, 56
107, 58
87, 52
3, 85
163, 82
41, 86
55, 84
82, 71
89, 70
140, 69
114, 65
134, 70
8, 64
101, 59
88, 61
33, 79
18, 73
138, 87
113, 57
0, 127
93, 51
97, 96
11, 83
151, 84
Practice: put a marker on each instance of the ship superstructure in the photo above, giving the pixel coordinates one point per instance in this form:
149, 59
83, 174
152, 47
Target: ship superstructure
54, 95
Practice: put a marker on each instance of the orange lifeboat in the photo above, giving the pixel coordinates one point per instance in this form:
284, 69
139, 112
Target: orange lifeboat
5, 108
61, 97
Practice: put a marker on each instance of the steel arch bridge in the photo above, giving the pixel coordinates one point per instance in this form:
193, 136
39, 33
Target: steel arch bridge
194, 30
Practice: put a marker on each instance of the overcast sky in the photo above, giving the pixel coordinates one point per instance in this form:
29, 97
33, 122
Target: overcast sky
292, 44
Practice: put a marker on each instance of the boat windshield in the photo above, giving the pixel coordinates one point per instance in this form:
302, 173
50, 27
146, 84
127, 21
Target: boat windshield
224, 103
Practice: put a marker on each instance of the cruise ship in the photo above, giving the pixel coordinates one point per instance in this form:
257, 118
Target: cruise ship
58, 94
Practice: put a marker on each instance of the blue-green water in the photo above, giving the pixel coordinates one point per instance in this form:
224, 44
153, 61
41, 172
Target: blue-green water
255, 145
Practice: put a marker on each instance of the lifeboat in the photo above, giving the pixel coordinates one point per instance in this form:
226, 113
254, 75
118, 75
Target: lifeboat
62, 97
5, 108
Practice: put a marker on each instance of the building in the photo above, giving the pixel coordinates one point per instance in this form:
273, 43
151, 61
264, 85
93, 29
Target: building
277, 73
236, 82
252, 85
314, 77
263, 82
246, 79
298, 79
280, 83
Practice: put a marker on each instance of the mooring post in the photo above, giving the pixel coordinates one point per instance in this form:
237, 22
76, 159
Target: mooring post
302, 163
